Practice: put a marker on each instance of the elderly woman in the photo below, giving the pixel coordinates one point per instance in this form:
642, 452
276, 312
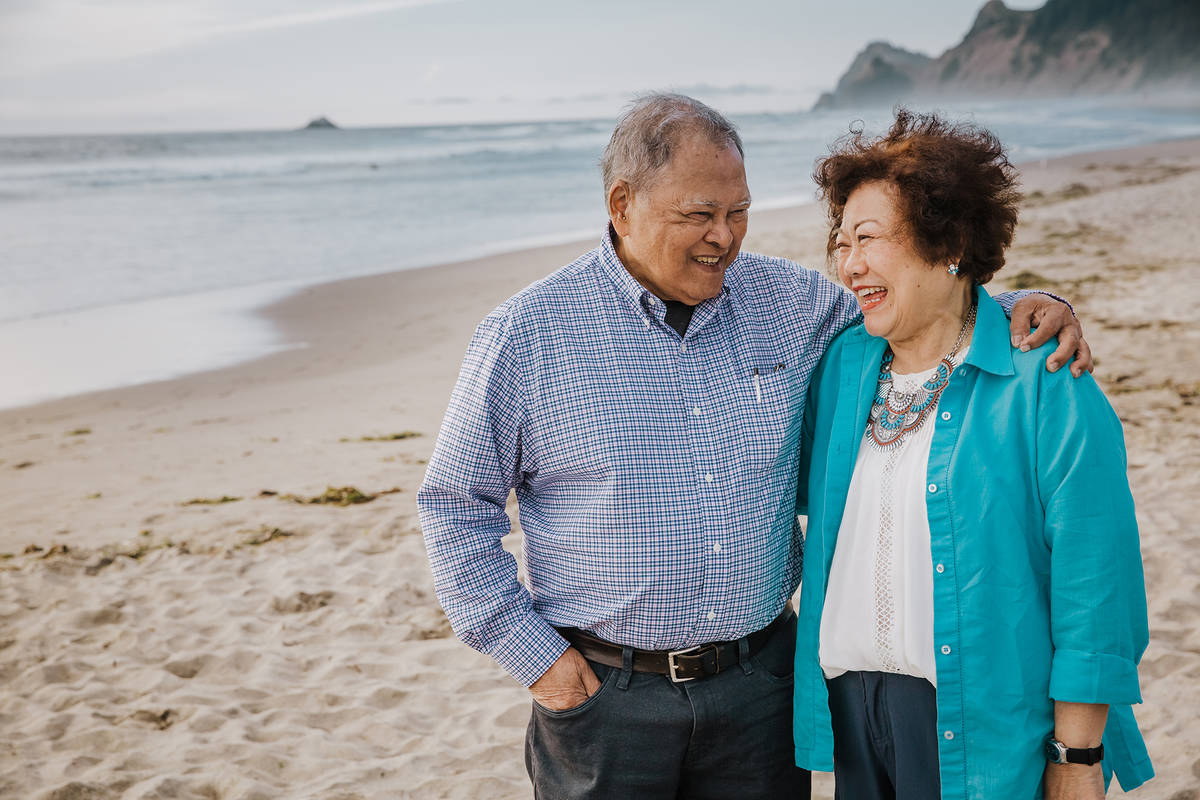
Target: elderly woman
972, 609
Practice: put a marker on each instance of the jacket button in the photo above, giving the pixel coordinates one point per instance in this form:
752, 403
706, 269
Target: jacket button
940, 567
932, 488
949, 735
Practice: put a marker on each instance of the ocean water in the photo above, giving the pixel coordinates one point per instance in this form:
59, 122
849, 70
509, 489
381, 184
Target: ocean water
130, 258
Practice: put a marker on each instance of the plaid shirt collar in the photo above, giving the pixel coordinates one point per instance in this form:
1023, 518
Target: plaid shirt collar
641, 298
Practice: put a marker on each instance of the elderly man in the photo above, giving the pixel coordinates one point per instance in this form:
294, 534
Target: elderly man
645, 403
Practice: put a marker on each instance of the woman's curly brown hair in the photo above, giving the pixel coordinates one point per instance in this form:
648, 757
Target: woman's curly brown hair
956, 188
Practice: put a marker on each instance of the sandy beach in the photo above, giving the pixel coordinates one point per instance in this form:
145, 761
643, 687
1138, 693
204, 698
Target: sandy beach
215, 587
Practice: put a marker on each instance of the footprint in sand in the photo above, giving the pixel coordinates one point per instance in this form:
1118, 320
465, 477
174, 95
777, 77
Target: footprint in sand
58, 673
386, 698
57, 726
186, 667
81, 763
109, 615
81, 791
207, 723
1163, 665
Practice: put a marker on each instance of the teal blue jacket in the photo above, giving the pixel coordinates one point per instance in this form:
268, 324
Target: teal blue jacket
1038, 591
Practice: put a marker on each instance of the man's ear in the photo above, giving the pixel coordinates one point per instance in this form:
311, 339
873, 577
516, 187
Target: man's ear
620, 196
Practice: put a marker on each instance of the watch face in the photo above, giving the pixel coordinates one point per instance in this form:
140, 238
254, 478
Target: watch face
1052, 752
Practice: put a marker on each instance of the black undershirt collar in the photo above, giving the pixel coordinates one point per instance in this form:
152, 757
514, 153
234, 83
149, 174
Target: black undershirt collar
679, 315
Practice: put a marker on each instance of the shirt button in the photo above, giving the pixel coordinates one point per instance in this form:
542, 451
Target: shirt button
932, 488
708, 478
696, 411
949, 735
945, 649
683, 347
717, 547
940, 567
945, 415
712, 615
647, 322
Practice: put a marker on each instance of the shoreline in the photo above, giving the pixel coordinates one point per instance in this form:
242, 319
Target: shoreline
300, 331
298, 327
180, 582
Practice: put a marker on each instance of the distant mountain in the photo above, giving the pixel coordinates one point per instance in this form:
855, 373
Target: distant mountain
878, 74
1066, 47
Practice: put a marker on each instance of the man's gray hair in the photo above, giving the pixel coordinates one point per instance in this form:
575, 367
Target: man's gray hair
650, 129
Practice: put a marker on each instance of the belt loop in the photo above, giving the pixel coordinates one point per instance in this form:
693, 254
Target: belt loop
626, 667
744, 655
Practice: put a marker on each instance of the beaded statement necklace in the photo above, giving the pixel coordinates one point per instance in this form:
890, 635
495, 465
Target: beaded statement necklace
894, 414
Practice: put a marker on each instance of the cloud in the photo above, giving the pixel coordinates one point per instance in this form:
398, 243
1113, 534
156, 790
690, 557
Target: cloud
444, 101
61, 34
431, 73
736, 89
311, 17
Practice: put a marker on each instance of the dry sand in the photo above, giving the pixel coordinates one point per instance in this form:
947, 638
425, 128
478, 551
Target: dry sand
262, 647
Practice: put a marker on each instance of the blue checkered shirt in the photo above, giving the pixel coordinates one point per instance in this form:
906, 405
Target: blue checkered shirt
655, 475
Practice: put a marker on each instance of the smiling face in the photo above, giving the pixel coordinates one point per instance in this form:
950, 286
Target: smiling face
678, 235
903, 297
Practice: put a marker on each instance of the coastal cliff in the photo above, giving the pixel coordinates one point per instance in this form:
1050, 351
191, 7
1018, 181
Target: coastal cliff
1100, 47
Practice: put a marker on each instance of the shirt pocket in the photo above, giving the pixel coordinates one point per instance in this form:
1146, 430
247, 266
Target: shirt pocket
768, 398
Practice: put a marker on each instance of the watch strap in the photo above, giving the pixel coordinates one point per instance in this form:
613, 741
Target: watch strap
1085, 755
1059, 753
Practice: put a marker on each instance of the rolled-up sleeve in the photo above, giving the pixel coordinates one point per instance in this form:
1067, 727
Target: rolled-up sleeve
476, 462
1097, 590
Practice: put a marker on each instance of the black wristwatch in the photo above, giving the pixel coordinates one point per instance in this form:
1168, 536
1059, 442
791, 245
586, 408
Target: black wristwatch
1059, 753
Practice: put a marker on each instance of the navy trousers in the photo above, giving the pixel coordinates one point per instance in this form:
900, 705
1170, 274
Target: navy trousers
884, 737
641, 736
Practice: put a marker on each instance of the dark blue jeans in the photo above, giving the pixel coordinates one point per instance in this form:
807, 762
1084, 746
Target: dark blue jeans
884, 737
641, 736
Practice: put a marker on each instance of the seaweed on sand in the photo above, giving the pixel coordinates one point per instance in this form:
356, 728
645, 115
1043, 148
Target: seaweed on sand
210, 501
387, 437
267, 534
338, 496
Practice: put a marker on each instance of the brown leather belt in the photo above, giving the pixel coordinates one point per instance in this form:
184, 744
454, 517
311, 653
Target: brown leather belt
680, 666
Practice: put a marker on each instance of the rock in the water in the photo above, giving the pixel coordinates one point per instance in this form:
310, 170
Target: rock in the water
321, 122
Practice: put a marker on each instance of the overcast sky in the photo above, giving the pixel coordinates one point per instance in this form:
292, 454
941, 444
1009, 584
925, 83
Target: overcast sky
148, 65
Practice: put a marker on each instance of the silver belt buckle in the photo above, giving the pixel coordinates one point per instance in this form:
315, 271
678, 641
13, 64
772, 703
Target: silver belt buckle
671, 662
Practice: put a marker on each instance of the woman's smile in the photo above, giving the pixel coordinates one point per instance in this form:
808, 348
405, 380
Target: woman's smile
870, 297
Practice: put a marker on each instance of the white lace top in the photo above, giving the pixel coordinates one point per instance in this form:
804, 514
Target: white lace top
878, 614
